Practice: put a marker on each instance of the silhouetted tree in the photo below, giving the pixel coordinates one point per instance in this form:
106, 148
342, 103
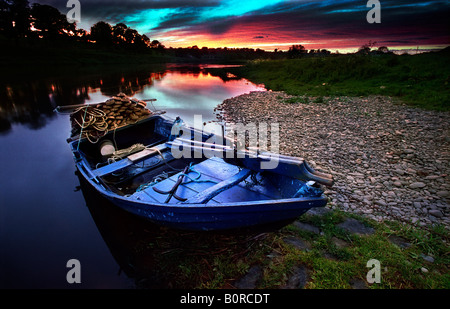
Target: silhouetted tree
81, 34
14, 18
131, 36
118, 33
142, 42
5, 17
296, 51
50, 22
365, 48
156, 44
383, 50
101, 32
20, 11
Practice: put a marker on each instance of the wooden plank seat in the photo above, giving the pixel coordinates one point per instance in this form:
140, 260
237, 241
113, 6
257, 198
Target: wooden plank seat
133, 158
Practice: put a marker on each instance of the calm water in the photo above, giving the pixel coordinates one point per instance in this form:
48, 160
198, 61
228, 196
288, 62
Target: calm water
47, 217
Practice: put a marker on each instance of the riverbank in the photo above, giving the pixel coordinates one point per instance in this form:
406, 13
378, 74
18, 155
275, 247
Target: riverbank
44, 58
421, 80
390, 200
389, 161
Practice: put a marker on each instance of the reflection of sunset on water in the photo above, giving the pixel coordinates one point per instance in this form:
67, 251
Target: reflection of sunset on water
181, 90
188, 93
202, 84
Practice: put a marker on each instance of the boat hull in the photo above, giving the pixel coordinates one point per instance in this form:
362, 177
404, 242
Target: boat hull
238, 210
205, 217
222, 217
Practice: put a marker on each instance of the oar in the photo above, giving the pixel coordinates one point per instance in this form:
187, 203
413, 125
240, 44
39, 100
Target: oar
286, 165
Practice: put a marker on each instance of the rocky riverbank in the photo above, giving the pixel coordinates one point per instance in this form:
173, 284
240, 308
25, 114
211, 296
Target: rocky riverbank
389, 161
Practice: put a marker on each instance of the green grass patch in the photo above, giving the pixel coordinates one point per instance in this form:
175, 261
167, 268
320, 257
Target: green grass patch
334, 258
420, 80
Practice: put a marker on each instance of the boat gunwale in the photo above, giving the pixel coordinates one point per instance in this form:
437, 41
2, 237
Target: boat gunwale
111, 195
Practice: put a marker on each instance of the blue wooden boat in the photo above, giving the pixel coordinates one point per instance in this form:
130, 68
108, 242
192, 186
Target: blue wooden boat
227, 190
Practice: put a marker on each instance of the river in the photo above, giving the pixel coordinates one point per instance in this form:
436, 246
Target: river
44, 221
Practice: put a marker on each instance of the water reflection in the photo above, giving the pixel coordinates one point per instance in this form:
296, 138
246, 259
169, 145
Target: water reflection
31, 101
157, 257
50, 221
128, 238
177, 88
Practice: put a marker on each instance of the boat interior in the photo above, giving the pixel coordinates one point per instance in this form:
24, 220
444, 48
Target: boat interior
152, 174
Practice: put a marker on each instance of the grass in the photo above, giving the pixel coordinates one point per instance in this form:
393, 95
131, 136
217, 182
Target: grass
420, 80
216, 260
401, 268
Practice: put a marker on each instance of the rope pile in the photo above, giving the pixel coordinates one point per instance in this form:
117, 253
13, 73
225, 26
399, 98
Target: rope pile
122, 153
94, 121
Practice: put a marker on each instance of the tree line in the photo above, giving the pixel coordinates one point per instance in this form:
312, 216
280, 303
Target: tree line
20, 20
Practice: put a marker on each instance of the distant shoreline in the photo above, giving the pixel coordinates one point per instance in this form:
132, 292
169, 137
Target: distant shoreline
421, 80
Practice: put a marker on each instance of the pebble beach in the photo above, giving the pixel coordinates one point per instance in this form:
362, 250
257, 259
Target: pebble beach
389, 161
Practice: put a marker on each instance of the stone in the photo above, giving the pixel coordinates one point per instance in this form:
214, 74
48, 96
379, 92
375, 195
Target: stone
250, 280
443, 193
339, 243
432, 177
306, 227
358, 284
297, 279
427, 258
354, 226
436, 213
319, 211
417, 185
400, 172
399, 241
398, 183
297, 243
381, 203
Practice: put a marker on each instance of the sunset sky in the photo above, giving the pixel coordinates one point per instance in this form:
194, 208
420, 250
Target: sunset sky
269, 24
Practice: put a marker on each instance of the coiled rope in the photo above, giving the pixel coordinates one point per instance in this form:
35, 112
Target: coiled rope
94, 120
122, 153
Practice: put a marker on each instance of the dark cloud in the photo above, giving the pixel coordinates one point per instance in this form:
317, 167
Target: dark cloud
116, 10
347, 19
176, 22
402, 21
220, 26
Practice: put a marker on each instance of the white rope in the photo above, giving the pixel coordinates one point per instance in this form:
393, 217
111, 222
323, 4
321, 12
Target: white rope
94, 119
